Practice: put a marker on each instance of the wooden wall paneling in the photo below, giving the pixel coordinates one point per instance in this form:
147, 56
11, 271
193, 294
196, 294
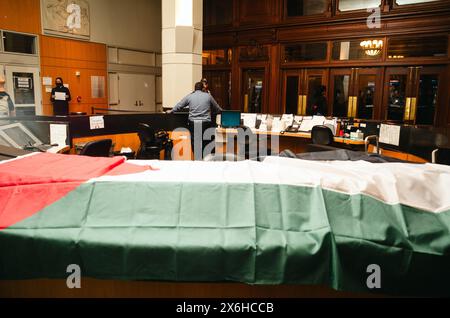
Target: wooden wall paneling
63, 58
236, 83
445, 121
20, 16
236, 13
216, 41
275, 81
217, 13
263, 36
259, 12
264, 12
327, 31
379, 109
250, 27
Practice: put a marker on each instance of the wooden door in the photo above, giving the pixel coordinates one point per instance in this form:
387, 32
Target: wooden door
368, 92
254, 90
314, 83
341, 91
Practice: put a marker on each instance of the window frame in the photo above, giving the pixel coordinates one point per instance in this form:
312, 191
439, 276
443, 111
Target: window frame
285, 45
227, 64
380, 58
36, 43
316, 16
430, 58
363, 11
396, 6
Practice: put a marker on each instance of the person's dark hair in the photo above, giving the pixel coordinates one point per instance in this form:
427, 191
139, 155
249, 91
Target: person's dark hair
199, 86
59, 78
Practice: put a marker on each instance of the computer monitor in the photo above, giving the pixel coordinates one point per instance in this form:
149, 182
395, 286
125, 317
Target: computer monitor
231, 119
18, 136
4, 142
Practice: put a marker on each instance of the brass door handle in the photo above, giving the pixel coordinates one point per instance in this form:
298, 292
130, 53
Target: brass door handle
352, 106
246, 103
407, 115
413, 108
300, 105
305, 104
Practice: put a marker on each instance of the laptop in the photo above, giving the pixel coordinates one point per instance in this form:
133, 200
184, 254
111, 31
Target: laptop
230, 119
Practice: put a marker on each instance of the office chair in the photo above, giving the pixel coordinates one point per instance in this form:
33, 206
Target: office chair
152, 143
426, 144
99, 148
322, 139
441, 156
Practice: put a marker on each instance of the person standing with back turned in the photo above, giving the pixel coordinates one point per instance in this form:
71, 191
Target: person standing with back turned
60, 98
200, 106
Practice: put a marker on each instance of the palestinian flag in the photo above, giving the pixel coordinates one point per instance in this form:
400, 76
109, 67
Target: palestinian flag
282, 221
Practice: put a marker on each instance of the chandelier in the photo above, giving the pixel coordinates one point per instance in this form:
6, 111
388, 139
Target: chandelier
372, 47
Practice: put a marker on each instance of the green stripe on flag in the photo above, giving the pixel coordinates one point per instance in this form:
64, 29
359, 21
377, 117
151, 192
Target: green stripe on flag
250, 233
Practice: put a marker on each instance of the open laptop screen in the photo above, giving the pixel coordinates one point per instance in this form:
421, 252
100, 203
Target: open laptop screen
231, 119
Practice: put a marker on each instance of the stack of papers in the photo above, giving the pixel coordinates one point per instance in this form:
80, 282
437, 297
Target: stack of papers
277, 125
332, 124
307, 124
390, 134
298, 119
60, 96
249, 120
126, 150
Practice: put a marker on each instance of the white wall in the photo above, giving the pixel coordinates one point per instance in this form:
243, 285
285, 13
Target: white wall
134, 24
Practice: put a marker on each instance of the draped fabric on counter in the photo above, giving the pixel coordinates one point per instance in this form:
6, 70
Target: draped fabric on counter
282, 221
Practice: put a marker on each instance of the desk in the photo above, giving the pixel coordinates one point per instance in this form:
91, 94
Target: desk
59, 149
294, 141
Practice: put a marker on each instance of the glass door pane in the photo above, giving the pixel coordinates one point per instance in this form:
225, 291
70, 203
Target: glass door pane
406, 2
350, 5
317, 102
292, 94
22, 84
253, 90
427, 101
23, 89
397, 96
366, 89
219, 83
341, 93
297, 8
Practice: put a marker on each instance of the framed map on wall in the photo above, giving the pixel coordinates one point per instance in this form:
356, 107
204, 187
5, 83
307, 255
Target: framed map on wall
66, 17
